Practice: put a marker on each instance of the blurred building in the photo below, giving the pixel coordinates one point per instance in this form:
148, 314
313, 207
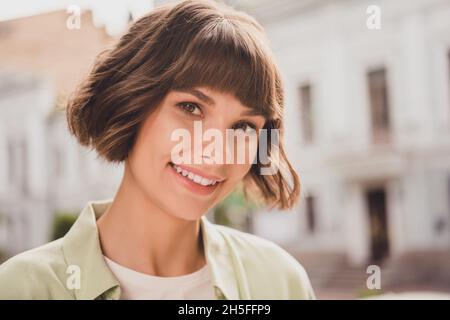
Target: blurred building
368, 128
42, 169
367, 121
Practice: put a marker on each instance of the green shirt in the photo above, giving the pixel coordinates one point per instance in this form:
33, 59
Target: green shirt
242, 265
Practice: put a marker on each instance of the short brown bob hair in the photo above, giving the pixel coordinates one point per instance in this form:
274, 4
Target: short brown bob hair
184, 45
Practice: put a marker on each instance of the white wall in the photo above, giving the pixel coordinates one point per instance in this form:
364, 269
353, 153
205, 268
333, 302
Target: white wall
26, 114
332, 48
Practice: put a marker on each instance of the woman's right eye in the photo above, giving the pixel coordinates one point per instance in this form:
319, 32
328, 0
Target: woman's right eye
190, 108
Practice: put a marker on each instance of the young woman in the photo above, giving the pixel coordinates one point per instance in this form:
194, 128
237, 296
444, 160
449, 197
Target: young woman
182, 65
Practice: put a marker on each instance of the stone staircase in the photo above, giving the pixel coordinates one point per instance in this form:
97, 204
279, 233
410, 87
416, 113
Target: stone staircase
328, 273
333, 277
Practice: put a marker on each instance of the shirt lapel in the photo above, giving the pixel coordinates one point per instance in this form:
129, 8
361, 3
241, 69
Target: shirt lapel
223, 274
81, 248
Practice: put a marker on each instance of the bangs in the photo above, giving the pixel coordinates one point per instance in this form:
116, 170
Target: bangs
226, 58
193, 43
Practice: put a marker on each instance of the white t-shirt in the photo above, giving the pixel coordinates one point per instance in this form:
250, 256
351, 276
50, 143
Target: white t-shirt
140, 286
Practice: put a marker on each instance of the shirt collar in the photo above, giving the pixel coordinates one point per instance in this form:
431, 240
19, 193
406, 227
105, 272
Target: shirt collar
81, 247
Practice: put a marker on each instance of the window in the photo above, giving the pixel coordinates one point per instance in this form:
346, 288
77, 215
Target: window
23, 154
18, 164
305, 95
448, 196
310, 214
379, 105
448, 67
11, 162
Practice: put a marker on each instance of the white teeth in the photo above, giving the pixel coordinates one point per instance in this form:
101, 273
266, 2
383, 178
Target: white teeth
196, 178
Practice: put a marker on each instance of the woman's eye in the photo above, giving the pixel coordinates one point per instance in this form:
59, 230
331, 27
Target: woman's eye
246, 127
191, 108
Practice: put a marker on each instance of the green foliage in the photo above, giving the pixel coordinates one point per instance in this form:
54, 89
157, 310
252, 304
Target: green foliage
365, 293
234, 211
62, 223
3, 256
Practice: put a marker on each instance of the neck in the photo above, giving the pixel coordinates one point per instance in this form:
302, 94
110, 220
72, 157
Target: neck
137, 234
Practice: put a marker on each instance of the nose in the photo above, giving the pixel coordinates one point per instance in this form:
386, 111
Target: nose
220, 146
213, 145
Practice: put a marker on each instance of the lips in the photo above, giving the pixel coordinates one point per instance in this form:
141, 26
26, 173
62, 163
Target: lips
194, 177
195, 181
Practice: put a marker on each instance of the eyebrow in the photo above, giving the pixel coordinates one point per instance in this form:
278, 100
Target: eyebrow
200, 95
208, 100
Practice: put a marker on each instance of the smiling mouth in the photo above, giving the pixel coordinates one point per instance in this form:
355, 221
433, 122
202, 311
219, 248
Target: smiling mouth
194, 181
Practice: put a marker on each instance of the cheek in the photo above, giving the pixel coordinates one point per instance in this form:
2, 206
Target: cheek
239, 171
235, 175
154, 142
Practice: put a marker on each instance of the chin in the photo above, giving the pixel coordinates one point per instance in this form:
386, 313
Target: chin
188, 215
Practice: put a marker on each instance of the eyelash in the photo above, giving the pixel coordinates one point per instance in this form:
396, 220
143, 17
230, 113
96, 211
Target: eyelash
182, 106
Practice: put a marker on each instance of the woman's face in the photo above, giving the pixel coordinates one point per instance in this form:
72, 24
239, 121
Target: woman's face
189, 189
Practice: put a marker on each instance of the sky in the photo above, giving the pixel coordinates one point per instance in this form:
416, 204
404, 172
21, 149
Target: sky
113, 14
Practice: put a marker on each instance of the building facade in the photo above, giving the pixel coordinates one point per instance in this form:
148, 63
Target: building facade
43, 171
368, 126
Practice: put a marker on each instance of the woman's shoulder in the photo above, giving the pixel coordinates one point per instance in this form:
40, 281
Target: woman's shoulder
268, 265
33, 274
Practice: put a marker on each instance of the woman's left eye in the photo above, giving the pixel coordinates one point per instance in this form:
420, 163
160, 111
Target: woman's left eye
247, 127
190, 108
